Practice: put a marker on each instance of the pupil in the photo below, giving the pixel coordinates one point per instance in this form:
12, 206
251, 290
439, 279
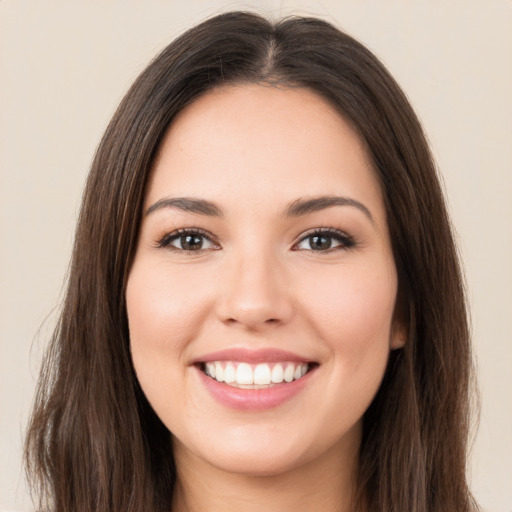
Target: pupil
320, 242
191, 242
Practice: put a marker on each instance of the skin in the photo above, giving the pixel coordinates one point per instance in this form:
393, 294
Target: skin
253, 150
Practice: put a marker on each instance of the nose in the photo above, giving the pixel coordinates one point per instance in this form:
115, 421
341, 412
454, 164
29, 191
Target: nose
255, 294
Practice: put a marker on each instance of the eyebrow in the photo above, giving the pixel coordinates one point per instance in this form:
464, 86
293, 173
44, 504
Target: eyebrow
303, 206
187, 204
296, 208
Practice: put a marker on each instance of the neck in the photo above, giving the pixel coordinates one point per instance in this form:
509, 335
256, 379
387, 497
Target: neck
326, 484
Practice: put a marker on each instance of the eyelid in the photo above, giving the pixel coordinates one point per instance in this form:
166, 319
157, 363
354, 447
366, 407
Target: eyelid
165, 240
346, 240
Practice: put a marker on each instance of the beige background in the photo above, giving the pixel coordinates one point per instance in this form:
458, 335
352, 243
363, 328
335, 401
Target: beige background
64, 65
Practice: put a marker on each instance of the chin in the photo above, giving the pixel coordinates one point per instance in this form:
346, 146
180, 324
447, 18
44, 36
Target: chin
272, 451
255, 463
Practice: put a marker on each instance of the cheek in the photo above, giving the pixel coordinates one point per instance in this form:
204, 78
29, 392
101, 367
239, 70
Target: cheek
165, 310
163, 307
352, 314
163, 315
352, 310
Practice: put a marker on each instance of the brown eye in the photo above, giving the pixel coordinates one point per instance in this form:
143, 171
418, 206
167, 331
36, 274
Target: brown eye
324, 240
320, 242
187, 241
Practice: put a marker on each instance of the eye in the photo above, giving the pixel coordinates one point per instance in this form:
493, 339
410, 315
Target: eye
188, 240
323, 240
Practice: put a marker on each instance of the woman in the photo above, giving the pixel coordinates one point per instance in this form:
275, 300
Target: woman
265, 308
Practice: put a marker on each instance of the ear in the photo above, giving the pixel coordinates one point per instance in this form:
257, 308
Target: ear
400, 325
398, 336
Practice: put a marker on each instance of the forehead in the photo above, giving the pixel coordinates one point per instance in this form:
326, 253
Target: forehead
262, 143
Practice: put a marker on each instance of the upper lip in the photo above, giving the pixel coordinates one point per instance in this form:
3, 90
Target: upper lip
263, 355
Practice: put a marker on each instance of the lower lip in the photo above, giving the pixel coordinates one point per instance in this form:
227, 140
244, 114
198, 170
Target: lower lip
254, 399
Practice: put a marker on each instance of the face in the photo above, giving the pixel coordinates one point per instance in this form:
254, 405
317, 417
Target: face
261, 299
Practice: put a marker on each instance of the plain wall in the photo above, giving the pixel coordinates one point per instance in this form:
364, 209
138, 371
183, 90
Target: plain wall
65, 65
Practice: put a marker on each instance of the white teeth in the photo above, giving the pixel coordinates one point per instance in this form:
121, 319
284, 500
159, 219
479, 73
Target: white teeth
210, 369
244, 374
263, 374
288, 373
229, 373
219, 372
277, 374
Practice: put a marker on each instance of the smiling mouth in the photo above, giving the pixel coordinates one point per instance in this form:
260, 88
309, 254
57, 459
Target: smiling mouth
255, 376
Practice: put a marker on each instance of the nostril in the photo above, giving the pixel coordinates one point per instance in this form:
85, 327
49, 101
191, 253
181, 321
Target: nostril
253, 309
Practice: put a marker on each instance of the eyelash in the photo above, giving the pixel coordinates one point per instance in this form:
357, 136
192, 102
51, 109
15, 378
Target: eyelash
167, 239
345, 241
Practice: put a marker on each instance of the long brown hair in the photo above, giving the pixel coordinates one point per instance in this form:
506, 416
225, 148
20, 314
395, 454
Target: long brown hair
94, 443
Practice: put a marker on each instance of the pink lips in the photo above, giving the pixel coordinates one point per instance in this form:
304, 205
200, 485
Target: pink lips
252, 399
252, 356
